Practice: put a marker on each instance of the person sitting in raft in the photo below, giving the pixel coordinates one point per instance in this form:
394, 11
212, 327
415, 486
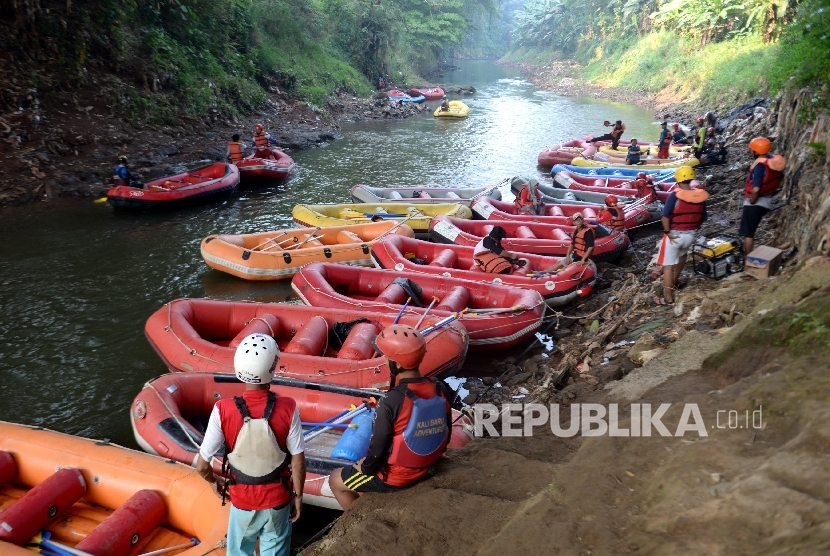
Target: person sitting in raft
491, 257
262, 140
235, 149
122, 175
445, 104
633, 156
581, 247
614, 136
678, 136
402, 452
529, 199
645, 188
613, 215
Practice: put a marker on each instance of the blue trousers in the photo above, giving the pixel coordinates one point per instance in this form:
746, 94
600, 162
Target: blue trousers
271, 526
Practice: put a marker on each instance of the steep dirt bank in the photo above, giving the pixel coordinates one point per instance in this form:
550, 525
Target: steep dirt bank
57, 141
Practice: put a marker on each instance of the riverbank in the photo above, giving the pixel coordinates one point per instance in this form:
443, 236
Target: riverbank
59, 144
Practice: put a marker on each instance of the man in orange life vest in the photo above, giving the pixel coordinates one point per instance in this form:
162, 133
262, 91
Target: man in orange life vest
664, 141
762, 182
614, 136
581, 247
262, 139
490, 256
683, 214
235, 150
263, 502
412, 424
529, 199
613, 215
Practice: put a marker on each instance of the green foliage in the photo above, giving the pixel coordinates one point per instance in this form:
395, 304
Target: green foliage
804, 59
819, 153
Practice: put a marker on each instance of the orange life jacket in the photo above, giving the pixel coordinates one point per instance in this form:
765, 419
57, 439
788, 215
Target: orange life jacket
260, 140
771, 182
236, 152
686, 215
617, 219
579, 243
488, 261
524, 198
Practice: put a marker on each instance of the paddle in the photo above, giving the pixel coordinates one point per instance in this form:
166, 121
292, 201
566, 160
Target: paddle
443, 322
255, 247
434, 299
395, 227
311, 235
489, 189
400, 313
486, 312
42, 539
193, 542
279, 244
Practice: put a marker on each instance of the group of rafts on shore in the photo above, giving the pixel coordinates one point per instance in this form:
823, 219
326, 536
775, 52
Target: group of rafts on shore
66, 495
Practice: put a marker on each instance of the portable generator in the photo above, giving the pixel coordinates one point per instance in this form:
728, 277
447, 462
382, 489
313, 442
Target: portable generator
718, 256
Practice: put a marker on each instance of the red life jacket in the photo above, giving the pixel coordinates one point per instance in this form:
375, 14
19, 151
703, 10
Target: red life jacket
524, 198
645, 189
686, 215
770, 183
617, 219
260, 139
269, 495
578, 238
421, 431
235, 151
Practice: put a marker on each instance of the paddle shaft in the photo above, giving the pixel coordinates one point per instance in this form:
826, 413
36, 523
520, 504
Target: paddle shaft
431, 303
192, 542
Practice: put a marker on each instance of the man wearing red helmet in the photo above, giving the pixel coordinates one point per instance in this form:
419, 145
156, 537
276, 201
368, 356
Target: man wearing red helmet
645, 188
613, 216
411, 428
678, 136
762, 182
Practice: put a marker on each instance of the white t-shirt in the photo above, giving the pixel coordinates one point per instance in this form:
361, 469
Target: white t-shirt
765, 202
214, 438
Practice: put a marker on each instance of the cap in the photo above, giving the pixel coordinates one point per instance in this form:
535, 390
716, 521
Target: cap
577, 216
664, 123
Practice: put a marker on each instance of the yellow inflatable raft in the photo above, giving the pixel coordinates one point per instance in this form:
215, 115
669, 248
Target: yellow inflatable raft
646, 164
416, 215
280, 254
148, 503
647, 149
457, 110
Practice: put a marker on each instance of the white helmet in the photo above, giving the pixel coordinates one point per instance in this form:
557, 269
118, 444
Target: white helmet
256, 358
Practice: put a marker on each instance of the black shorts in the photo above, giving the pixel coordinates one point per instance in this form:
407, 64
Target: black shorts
358, 482
750, 218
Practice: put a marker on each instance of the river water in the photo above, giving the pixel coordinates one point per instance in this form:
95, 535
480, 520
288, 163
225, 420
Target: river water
78, 280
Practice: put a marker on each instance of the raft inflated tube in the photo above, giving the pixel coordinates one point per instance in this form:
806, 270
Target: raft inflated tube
126, 526
8, 468
31, 512
354, 444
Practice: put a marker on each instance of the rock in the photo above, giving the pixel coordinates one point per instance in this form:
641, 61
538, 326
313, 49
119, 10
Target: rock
561, 333
610, 372
518, 379
168, 151
510, 360
43, 157
488, 380
530, 367
644, 344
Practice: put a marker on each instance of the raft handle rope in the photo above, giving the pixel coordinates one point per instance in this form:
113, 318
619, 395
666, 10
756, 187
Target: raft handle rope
175, 418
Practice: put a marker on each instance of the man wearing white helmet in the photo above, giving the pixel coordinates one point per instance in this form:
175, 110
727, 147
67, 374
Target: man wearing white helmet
260, 430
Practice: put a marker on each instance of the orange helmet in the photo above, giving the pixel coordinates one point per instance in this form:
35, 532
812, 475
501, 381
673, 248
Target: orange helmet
402, 344
761, 145
611, 200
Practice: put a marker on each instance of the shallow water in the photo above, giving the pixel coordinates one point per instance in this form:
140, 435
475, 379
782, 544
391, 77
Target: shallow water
78, 280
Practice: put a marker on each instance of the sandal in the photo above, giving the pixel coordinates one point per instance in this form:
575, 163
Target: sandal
661, 301
681, 282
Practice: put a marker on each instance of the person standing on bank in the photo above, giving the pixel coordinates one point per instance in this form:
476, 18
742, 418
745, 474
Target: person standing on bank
664, 141
762, 182
683, 213
412, 424
263, 502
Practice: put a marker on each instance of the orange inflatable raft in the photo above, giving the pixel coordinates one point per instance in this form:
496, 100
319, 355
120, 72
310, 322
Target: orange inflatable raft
101, 499
170, 414
324, 345
280, 254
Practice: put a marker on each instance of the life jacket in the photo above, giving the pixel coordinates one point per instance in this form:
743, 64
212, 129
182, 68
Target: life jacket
665, 138
525, 197
579, 243
688, 214
425, 434
617, 131
119, 177
236, 151
772, 178
634, 153
617, 221
487, 261
260, 139
257, 458
646, 189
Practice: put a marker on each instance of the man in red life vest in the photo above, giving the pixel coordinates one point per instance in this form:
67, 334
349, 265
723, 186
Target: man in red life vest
529, 199
235, 150
645, 188
491, 257
664, 141
411, 428
683, 214
263, 503
762, 182
614, 136
262, 140
613, 216
122, 175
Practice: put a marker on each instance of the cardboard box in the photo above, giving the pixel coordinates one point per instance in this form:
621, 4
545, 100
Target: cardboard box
763, 262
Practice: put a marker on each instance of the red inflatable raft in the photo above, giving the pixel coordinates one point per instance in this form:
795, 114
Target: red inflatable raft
433, 93
554, 214
266, 164
564, 153
418, 258
197, 186
625, 187
326, 345
526, 237
169, 417
497, 317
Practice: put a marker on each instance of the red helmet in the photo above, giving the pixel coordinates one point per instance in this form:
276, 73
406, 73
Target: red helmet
710, 130
700, 120
259, 126
641, 175
611, 200
676, 126
402, 344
